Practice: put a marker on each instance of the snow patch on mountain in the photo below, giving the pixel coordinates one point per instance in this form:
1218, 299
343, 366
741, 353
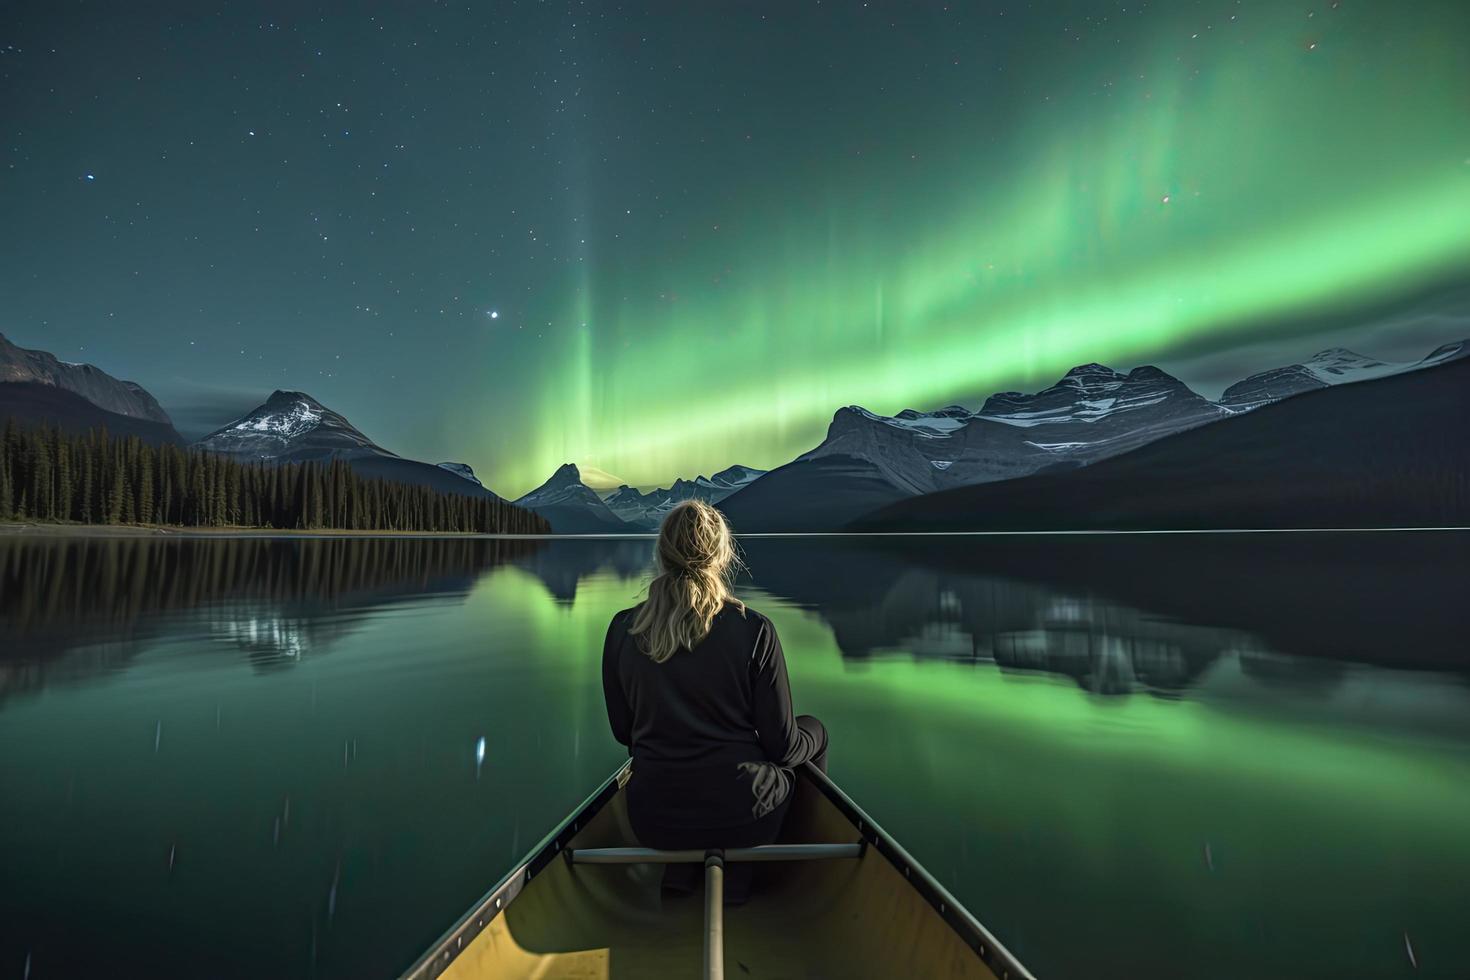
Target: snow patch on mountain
1325, 369
298, 420
291, 426
463, 471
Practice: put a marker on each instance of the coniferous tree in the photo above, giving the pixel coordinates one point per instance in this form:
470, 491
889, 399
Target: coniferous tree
146, 513
5, 505
48, 475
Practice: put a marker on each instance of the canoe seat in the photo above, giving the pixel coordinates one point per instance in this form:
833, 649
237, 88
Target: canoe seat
766, 852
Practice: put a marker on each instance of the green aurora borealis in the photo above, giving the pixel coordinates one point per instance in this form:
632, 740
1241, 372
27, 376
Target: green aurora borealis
1192, 187
704, 227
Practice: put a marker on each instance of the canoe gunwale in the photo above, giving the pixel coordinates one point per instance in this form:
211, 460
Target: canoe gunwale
495, 901
1001, 961
996, 957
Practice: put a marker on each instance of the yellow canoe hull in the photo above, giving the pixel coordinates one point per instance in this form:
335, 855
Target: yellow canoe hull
879, 915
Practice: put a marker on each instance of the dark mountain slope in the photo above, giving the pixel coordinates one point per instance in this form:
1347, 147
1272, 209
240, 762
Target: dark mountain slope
1389, 452
33, 403
799, 497
19, 365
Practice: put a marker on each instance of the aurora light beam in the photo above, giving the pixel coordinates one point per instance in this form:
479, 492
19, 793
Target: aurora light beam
1219, 175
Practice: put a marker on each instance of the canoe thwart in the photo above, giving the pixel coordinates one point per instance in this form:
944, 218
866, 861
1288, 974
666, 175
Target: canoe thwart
766, 852
714, 917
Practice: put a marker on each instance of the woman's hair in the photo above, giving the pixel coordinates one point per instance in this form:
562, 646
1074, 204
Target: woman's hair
696, 559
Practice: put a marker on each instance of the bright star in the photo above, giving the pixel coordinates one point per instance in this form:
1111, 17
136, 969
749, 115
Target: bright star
495, 314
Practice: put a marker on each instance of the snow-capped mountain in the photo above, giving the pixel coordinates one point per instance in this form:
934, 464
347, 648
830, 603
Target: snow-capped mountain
37, 387
293, 427
1389, 452
462, 470
870, 460
1330, 367
571, 506
646, 510
1094, 412
733, 478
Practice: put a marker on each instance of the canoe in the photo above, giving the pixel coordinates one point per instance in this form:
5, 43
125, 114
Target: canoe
837, 897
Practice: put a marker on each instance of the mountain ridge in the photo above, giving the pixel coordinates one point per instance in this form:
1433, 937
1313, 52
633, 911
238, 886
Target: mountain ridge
37, 387
1330, 457
1091, 413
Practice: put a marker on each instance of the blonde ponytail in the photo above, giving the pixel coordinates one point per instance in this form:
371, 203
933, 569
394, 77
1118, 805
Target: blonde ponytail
696, 560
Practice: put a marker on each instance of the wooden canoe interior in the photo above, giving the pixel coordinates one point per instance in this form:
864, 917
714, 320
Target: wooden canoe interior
831, 918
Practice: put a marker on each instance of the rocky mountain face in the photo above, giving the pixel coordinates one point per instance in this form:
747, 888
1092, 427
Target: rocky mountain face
571, 506
870, 460
92, 383
37, 388
293, 427
1090, 413
1389, 452
1093, 413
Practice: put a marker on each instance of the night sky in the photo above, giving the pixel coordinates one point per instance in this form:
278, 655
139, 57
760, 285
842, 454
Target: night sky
663, 238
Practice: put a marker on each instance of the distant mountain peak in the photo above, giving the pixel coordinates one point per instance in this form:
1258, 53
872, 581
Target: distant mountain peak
566, 478
736, 474
1090, 370
290, 425
462, 470
1148, 372
566, 473
1324, 369
570, 505
282, 398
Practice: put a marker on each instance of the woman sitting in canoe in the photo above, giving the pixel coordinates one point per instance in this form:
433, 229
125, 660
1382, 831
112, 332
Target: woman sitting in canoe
696, 688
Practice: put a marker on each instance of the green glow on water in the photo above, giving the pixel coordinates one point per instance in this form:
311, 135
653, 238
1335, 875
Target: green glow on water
1273, 831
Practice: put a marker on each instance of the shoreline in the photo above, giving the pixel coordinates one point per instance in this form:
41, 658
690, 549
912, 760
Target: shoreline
30, 529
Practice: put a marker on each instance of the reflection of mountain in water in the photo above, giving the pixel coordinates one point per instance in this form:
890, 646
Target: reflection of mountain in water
1106, 647
275, 637
1289, 606
72, 607
1115, 614
561, 565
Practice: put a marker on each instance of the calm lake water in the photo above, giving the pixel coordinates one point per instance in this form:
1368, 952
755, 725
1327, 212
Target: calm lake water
1202, 755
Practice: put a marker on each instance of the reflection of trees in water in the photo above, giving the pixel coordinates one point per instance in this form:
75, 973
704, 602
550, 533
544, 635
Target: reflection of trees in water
95, 601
